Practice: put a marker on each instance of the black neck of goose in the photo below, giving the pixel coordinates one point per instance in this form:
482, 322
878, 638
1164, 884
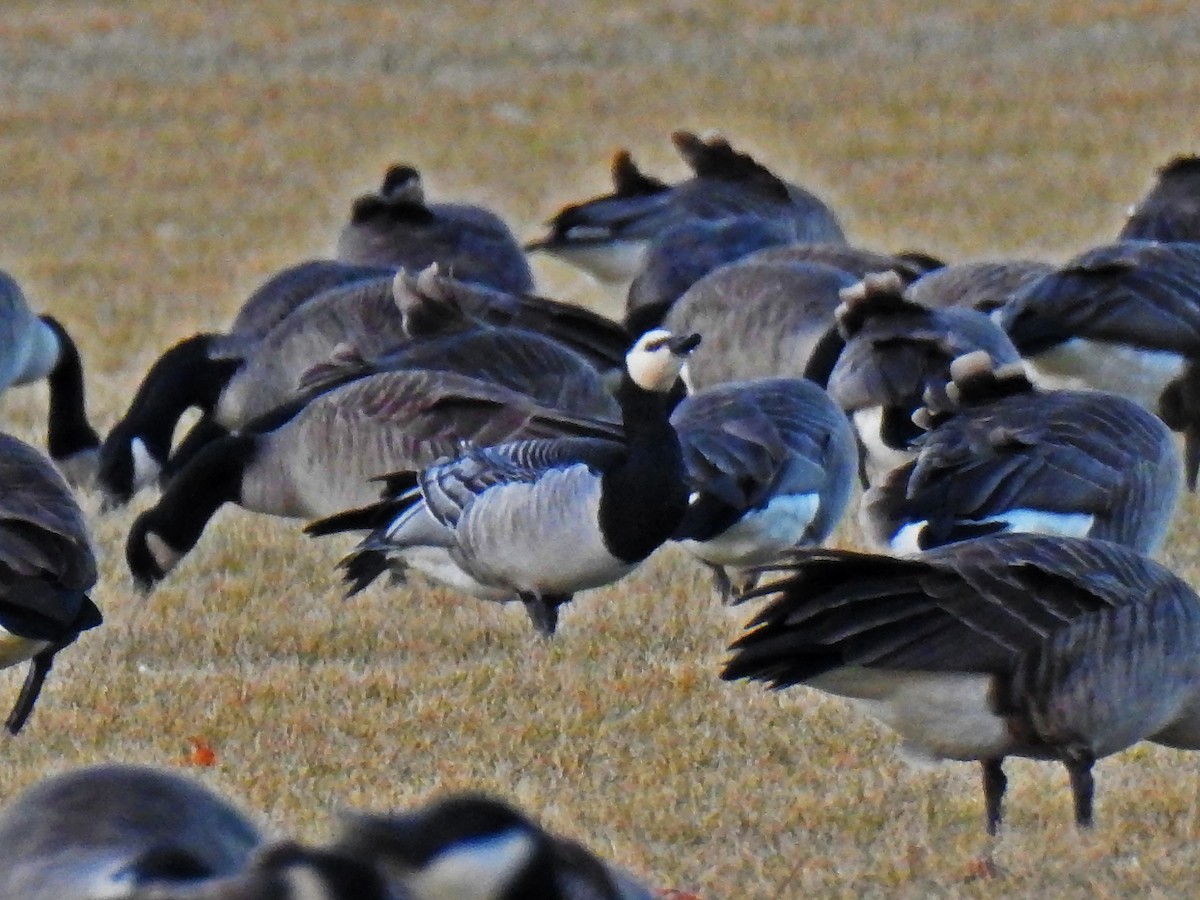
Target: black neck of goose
644, 497
199, 489
69, 431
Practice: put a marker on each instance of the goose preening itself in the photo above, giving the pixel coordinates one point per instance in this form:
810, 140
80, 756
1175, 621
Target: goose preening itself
472, 845
34, 347
46, 569
1121, 318
984, 285
770, 464
396, 226
1044, 647
765, 320
112, 830
1171, 209
320, 458
895, 352
539, 520
1001, 456
607, 236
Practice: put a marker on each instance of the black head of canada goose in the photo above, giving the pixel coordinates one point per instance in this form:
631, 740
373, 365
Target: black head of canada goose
46, 569
770, 465
35, 347
768, 320
1171, 210
607, 236
984, 285
194, 372
1043, 647
113, 830
1121, 318
1000, 456
396, 226
316, 458
895, 352
494, 522
475, 846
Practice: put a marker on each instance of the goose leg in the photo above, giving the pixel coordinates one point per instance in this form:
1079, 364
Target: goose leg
39, 668
1083, 786
543, 612
994, 784
721, 583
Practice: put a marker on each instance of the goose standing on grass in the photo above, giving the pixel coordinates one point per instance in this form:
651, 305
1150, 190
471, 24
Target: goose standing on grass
770, 463
1050, 648
471, 845
107, 831
895, 353
1000, 456
397, 227
539, 520
36, 347
46, 569
607, 236
319, 457
766, 321
1171, 210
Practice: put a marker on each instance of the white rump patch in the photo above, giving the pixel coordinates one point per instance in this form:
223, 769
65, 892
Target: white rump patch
474, 870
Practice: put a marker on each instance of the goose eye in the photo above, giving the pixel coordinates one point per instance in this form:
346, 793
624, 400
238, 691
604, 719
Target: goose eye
654, 345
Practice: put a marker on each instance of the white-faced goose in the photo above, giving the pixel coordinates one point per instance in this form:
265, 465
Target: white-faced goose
35, 347
46, 569
194, 372
1121, 318
1000, 456
374, 316
766, 321
770, 463
895, 352
984, 286
1043, 647
397, 227
316, 458
607, 236
108, 831
1171, 209
539, 520
475, 846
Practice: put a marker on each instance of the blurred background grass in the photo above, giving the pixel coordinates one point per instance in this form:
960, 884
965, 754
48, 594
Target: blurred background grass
159, 160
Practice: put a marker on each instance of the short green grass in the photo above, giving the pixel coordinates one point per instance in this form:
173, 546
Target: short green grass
159, 161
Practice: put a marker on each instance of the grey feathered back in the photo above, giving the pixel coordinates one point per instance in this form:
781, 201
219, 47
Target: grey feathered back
1170, 211
975, 285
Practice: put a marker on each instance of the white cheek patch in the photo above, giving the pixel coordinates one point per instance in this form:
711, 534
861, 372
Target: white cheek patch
473, 870
164, 554
305, 884
145, 467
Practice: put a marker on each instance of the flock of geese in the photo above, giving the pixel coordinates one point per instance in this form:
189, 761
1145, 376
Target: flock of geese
1010, 424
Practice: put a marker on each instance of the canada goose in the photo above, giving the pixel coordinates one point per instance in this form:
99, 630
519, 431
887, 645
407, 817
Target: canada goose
1045, 647
765, 321
373, 316
320, 458
110, 830
46, 569
1119, 318
607, 235
1000, 456
475, 847
984, 286
35, 347
1171, 210
895, 352
194, 372
397, 227
539, 520
770, 464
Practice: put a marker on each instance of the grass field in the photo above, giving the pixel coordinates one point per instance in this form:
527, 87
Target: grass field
160, 159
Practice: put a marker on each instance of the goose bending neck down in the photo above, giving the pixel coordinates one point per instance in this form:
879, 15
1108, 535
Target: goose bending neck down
539, 520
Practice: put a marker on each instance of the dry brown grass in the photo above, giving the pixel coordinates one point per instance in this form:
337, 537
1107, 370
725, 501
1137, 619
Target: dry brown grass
159, 161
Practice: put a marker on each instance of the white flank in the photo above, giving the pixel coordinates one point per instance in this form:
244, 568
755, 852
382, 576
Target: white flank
762, 535
1081, 364
613, 263
474, 870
